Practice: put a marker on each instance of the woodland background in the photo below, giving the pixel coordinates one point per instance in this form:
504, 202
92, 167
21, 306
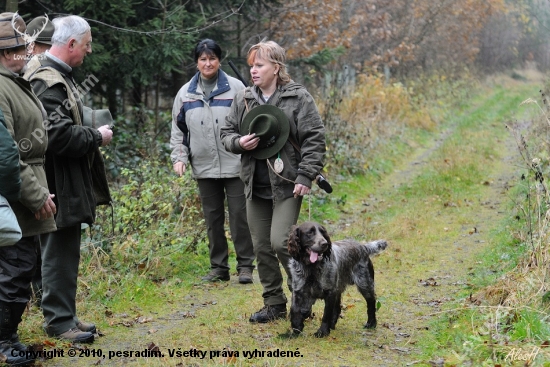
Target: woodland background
386, 75
142, 50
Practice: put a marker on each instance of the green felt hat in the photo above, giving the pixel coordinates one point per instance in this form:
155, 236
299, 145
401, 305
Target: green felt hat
42, 29
270, 124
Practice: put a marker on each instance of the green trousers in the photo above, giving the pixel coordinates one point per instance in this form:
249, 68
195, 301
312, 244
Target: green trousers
269, 224
60, 261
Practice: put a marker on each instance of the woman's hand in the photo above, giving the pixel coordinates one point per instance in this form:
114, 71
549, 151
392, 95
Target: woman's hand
249, 142
300, 190
179, 168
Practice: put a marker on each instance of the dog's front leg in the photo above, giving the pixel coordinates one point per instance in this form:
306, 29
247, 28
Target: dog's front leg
296, 316
328, 316
337, 309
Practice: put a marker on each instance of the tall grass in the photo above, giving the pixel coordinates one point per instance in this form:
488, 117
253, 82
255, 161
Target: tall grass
360, 119
508, 317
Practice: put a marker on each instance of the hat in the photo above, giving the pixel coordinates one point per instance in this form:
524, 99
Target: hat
96, 118
271, 125
10, 37
34, 29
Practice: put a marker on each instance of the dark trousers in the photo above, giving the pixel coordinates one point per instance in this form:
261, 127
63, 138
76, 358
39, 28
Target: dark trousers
269, 226
60, 260
37, 277
213, 193
17, 266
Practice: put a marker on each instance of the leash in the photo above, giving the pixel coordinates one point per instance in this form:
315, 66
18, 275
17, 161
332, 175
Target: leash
286, 179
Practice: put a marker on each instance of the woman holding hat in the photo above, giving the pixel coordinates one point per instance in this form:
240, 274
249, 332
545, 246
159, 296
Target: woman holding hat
199, 111
277, 129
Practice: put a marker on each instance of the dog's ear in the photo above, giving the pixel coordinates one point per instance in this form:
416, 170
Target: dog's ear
324, 232
294, 242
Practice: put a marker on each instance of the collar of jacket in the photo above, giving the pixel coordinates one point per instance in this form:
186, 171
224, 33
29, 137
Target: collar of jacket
53, 63
16, 78
221, 87
286, 90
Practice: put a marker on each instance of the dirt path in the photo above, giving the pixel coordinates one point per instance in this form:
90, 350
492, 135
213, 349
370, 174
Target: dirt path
420, 274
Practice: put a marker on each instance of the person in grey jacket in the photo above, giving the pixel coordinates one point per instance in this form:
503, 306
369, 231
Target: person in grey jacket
199, 111
277, 171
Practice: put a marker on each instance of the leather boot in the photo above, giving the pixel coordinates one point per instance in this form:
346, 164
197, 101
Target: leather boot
7, 320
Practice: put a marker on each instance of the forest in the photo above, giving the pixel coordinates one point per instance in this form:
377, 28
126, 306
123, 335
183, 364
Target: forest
397, 82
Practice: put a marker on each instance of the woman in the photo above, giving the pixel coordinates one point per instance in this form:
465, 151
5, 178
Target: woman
276, 127
199, 111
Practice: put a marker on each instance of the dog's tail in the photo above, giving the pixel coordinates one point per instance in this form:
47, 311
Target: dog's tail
376, 247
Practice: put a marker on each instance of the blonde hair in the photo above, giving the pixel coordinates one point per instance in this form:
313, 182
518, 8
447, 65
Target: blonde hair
272, 52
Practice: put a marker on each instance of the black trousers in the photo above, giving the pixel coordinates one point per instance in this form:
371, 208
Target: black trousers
213, 193
17, 267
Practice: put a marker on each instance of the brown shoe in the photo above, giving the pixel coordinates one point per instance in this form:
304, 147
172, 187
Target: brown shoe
86, 326
245, 276
216, 275
77, 336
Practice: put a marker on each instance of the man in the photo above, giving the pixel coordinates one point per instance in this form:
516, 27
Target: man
39, 32
34, 209
68, 157
39, 38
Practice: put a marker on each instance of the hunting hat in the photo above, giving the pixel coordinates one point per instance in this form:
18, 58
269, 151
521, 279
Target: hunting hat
96, 118
271, 125
11, 37
35, 26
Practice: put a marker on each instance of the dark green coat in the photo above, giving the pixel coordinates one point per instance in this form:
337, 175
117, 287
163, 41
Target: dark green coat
306, 127
10, 180
69, 148
24, 119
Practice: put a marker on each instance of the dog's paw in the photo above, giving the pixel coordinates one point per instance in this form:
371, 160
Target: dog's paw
322, 332
370, 324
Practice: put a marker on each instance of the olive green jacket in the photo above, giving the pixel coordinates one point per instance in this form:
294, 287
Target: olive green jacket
306, 127
10, 180
24, 117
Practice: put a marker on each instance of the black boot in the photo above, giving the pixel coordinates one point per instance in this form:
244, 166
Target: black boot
10, 316
17, 310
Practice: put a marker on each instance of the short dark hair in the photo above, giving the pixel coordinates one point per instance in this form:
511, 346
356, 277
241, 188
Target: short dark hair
208, 47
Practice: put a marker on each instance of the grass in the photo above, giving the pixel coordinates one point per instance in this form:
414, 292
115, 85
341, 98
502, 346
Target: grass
433, 193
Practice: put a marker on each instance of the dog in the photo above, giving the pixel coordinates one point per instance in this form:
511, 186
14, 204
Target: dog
322, 269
